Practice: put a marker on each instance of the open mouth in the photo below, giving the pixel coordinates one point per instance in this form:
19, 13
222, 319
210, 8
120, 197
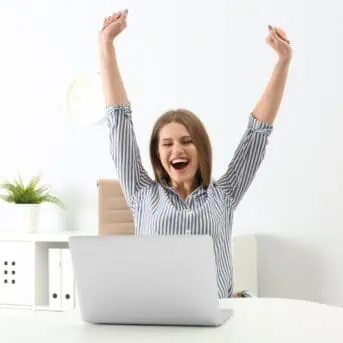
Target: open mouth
180, 164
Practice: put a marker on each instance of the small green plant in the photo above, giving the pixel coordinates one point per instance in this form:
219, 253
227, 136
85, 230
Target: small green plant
18, 193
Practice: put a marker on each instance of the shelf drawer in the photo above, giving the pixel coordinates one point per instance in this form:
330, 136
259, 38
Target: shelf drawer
16, 273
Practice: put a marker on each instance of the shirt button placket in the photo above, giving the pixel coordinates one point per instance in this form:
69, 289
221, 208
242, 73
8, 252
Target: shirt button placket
188, 212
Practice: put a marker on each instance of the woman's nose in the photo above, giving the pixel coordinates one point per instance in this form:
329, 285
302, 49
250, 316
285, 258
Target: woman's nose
178, 148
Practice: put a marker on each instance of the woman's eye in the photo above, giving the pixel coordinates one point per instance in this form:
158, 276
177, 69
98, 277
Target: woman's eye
187, 142
167, 144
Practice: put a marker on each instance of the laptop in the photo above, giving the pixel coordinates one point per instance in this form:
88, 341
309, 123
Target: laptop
147, 280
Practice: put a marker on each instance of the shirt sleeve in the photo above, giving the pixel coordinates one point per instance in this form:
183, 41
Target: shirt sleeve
246, 160
125, 152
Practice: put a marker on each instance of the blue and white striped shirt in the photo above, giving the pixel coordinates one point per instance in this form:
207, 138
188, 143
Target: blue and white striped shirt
159, 210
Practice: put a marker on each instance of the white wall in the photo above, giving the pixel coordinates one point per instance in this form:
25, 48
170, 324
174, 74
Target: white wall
211, 58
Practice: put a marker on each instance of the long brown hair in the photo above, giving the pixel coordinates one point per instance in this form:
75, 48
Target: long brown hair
199, 136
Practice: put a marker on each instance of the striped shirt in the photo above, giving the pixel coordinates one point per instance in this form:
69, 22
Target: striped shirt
159, 210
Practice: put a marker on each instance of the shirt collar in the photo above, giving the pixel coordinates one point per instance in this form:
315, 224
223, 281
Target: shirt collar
198, 191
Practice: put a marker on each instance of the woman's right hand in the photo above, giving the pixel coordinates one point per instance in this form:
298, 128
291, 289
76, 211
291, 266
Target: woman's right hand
113, 26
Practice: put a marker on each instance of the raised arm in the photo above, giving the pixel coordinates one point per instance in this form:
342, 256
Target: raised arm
246, 161
123, 145
267, 107
251, 150
113, 86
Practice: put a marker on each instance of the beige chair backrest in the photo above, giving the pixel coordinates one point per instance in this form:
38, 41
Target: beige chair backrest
114, 216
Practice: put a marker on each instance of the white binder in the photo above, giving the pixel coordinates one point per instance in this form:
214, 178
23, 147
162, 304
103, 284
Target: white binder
55, 281
68, 282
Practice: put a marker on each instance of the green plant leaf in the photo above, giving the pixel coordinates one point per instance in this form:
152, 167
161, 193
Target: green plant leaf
33, 182
5, 197
8, 186
52, 199
42, 190
20, 183
31, 194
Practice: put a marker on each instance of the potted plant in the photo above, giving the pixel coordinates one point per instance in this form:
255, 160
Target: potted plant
27, 200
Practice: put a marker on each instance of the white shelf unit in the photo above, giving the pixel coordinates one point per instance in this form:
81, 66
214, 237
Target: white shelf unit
24, 271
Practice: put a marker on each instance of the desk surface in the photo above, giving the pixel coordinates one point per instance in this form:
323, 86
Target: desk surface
255, 320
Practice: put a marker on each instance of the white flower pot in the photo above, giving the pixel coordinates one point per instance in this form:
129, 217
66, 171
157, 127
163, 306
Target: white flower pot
26, 217
51, 218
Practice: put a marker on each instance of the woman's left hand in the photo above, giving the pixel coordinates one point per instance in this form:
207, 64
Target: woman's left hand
278, 40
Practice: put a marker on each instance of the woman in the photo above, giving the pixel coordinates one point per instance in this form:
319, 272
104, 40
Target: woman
182, 199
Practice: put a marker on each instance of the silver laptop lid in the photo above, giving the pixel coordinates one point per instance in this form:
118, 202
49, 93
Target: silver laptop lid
128, 279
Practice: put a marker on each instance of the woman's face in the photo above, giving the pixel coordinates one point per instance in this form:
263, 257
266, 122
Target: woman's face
177, 153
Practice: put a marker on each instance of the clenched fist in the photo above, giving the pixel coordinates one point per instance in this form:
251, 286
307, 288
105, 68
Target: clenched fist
113, 26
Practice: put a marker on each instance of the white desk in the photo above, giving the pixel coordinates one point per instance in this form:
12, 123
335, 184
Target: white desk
255, 320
